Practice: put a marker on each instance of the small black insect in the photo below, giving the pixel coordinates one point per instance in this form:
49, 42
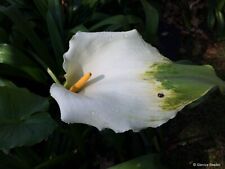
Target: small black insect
160, 95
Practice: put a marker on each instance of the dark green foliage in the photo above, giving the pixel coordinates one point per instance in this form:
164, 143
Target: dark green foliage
215, 18
23, 117
150, 161
34, 34
24, 67
151, 21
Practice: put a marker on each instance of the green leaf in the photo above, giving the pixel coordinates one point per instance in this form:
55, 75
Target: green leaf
90, 3
56, 39
77, 28
24, 26
23, 118
55, 8
12, 56
121, 20
211, 20
151, 161
42, 6
16, 59
220, 22
98, 16
55, 23
220, 5
19, 3
4, 82
151, 21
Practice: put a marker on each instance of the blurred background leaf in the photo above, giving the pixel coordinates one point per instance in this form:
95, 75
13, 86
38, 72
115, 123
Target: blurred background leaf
151, 21
116, 22
27, 68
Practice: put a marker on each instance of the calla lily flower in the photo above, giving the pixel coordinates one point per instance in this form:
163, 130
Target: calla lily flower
132, 85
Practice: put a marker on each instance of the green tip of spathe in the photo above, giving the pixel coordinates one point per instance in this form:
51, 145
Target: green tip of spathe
183, 84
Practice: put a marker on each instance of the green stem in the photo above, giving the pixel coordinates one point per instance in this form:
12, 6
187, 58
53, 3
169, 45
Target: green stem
52, 75
48, 70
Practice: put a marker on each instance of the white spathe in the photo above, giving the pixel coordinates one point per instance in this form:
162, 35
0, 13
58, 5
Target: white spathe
117, 96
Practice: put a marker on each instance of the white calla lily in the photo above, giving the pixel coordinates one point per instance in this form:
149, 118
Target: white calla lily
131, 85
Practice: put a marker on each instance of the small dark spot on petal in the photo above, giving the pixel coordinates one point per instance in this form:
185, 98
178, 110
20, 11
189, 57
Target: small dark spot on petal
160, 95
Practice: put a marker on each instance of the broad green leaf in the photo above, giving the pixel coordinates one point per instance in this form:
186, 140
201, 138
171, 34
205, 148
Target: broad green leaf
121, 20
23, 118
183, 84
16, 59
151, 161
151, 20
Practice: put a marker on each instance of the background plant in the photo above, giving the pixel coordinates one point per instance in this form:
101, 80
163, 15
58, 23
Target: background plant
34, 34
